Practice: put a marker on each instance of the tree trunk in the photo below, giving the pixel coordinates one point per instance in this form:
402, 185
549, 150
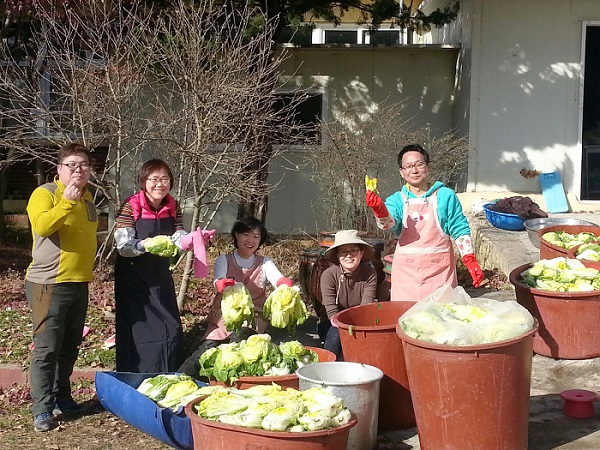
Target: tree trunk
189, 261
255, 203
185, 280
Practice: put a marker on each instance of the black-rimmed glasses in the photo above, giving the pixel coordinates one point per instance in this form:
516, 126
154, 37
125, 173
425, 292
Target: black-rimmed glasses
73, 166
419, 165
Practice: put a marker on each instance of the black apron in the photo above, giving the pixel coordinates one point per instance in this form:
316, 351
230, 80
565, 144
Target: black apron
149, 332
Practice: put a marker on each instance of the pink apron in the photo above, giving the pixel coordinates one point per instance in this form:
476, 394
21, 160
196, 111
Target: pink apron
252, 279
424, 256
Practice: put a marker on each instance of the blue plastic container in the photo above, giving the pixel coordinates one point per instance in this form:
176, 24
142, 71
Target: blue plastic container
505, 221
117, 393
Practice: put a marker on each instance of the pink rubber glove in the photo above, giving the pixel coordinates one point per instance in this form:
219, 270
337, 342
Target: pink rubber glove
207, 235
222, 283
375, 202
284, 280
473, 267
187, 241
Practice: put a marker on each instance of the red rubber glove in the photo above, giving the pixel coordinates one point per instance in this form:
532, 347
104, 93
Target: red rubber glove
284, 280
473, 267
375, 202
222, 283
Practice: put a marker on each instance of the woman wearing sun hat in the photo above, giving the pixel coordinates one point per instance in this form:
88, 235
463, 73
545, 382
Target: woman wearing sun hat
351, 281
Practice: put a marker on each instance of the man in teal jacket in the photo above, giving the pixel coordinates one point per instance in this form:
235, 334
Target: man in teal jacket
64, 224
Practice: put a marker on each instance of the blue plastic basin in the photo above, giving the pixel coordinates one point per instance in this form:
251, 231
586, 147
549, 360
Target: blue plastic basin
505, 221
117, 393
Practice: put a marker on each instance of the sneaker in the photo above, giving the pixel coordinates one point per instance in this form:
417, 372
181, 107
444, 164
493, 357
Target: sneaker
68, 408
44, 422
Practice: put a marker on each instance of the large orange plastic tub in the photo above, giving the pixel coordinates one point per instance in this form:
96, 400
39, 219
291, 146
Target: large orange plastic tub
568, 321
368, 335
549, 251
470, 397
285, 381
211, 435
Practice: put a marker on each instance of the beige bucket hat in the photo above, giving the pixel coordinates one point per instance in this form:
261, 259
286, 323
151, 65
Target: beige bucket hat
345, 237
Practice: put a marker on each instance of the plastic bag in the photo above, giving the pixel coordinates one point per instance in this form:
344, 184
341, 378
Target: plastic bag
450, 316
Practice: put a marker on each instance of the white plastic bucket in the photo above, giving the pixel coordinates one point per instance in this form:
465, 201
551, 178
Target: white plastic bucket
358, 386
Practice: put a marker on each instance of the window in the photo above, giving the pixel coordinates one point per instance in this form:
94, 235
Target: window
340, 37
381, 37
301, 35
306, 113
590, 115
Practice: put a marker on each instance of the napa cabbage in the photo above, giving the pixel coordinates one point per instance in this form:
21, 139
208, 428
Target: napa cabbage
237, 307
297, 355
476, 322
156, 387
177, 391
173, 390
161, 246
590, 252
285, 309
272, 408
283, 417
561, 275
255, 356
567, 240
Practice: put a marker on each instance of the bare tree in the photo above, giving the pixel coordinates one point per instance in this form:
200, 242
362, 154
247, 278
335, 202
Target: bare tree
213, 103
361, 142
75, 78
189, 83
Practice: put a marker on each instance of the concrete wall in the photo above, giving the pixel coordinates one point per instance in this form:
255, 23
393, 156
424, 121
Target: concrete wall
523, 88
422, 77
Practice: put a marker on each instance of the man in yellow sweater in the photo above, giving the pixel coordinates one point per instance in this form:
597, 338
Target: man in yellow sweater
64, 224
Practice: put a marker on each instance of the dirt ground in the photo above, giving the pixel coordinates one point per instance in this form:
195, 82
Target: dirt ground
549, 428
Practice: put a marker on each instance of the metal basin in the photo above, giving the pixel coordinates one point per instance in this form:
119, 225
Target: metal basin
533, 225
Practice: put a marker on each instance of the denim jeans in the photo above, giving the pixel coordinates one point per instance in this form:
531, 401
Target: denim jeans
58, 312
333, 343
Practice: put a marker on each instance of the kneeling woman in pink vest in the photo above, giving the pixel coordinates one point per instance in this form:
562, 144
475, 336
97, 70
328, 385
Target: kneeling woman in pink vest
244, 265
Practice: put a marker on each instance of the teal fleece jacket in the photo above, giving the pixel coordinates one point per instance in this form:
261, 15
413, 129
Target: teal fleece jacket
449, 211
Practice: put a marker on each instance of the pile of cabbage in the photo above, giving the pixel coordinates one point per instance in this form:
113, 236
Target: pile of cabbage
567, 240
561, 275
255, 356
271, 408
283, 308
476, 322
589, 252
161, 245
172, 390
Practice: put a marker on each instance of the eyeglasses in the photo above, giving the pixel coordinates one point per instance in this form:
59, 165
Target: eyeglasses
353, 252
419, 165
155, 181
73, 166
